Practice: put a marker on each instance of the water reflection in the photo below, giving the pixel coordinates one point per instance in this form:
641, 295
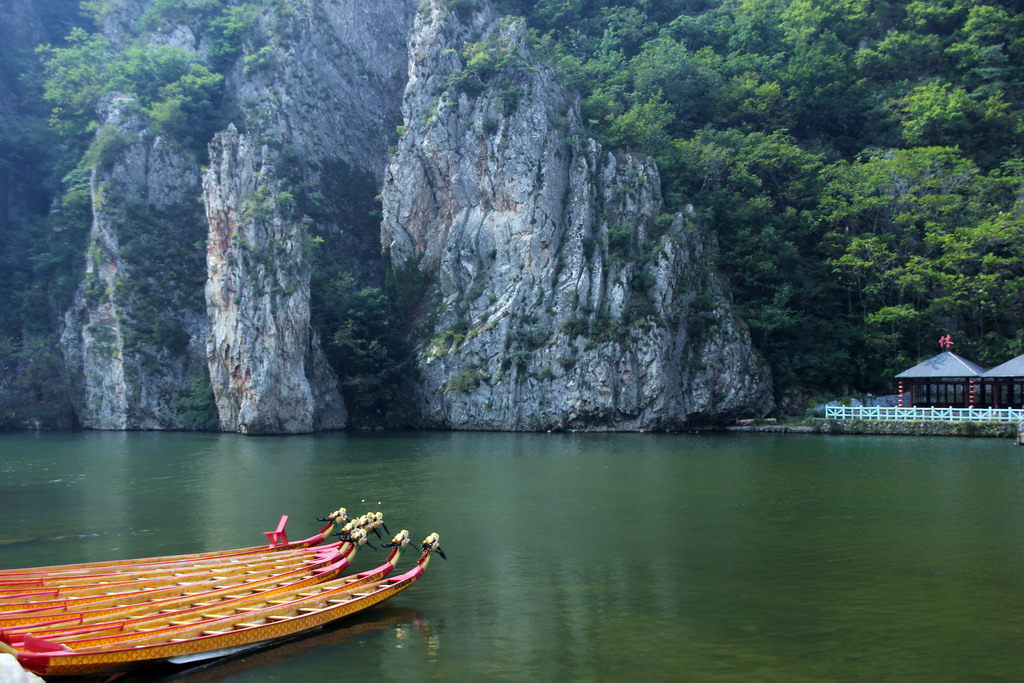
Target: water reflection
400, 623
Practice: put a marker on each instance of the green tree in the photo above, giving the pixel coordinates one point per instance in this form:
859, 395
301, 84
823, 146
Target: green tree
180, 94
365, 342
758, 193
925, 242
76, 77
937, 114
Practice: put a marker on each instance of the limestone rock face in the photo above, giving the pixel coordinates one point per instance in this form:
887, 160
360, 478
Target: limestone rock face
133, 333
565, 299
322, 82
267, 372
328, 79
318, 89
561, 296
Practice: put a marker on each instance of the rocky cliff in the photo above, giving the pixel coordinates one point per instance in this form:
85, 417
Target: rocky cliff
321, 84
316, 87
554, 293
266, 368
135, 333
565, 299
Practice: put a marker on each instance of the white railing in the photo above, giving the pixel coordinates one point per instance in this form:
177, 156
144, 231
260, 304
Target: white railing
925, 414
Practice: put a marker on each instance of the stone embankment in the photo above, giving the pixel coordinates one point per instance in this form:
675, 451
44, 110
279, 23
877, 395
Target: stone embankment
821, 426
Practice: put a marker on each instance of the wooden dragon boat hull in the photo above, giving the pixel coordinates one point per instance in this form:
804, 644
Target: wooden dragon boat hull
105, 580
74, 599
64, 663
216, 637
70, 593
53, 588
174, 598
278, 542
127, 623
48, 582
125, 629
384, 617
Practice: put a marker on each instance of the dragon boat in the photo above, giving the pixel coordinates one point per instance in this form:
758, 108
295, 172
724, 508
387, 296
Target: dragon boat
237, 576
277, 541
147, 617
53, 589
215, 634
176, 595
64, 587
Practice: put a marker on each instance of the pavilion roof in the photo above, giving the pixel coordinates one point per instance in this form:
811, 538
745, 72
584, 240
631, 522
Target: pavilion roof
1011, 368
946, 364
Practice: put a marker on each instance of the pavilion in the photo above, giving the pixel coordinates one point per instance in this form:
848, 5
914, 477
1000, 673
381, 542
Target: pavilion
943, 381
1004, 384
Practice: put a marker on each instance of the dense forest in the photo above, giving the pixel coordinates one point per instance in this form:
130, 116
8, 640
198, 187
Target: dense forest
859, 163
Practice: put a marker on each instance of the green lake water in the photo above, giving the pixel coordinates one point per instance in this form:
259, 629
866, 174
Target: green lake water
581, 557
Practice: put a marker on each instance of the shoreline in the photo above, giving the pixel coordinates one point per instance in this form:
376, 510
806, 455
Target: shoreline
809, 426
823, 426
